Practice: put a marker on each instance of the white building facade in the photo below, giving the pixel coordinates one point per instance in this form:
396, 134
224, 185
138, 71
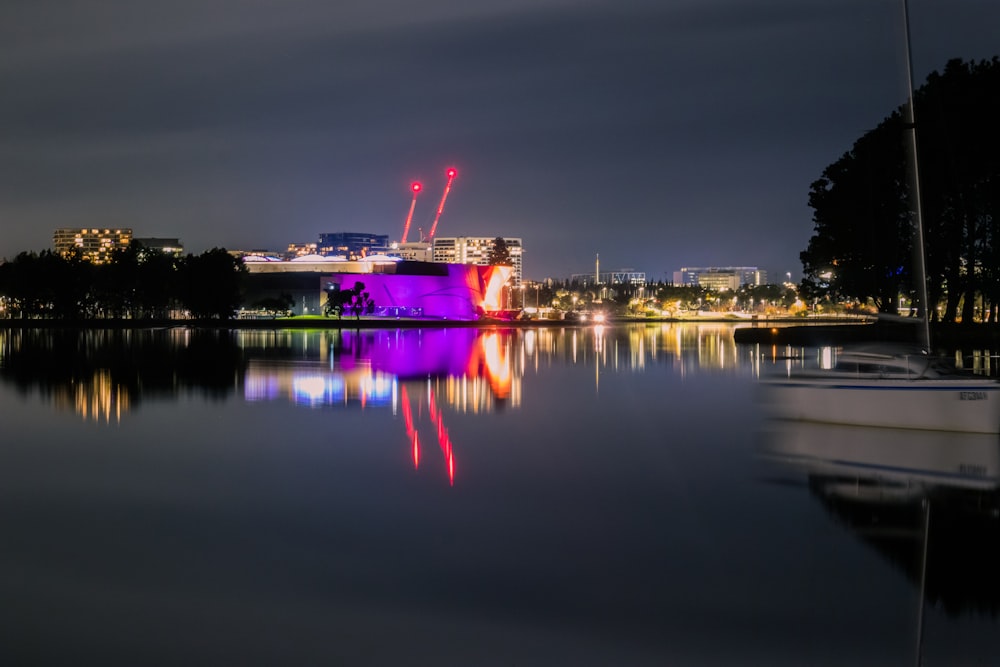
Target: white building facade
720, 277
476, 250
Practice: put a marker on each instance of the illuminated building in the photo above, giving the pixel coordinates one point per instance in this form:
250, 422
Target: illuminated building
301, 249
720, 278
166, 246
476, 250
395, 287
95, 245
352, 245
619, 277
415, 251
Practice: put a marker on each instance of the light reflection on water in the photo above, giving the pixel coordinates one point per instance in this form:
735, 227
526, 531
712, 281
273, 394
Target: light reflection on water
601, 495
472, 369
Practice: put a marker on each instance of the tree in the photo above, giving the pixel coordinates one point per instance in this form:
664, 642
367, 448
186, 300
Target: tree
499, 253
212, 284
338, 300
48, 285
863, 242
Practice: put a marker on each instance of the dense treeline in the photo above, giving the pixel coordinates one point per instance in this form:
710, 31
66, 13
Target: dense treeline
137, 283
863, 245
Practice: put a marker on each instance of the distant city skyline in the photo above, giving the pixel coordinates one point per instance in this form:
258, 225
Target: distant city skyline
659, 135
97, 244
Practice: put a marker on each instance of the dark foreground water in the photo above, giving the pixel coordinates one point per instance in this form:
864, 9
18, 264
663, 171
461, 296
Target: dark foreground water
460, 497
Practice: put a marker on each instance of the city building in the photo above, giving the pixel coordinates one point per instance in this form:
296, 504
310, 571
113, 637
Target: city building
394, 288
95, 245
352, 245
418, 251
263, 253
301, 250
166, 246
610, 278
476, 250
720, 278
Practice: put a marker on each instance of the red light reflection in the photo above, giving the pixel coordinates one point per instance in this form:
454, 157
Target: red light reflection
416, 451
437, 422
411, 432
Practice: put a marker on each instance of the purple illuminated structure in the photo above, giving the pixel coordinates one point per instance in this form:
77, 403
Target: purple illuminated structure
440, 291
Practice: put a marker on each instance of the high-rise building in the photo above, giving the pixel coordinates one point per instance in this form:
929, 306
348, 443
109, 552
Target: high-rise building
720, 277
94, 245
476, 250
352, 245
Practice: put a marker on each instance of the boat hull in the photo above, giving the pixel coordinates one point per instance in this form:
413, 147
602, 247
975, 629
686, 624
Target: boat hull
967, 406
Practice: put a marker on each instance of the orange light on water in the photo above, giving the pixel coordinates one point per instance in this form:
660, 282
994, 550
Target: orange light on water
498, 370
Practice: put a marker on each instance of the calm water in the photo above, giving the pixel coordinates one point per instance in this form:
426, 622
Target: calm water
460, 497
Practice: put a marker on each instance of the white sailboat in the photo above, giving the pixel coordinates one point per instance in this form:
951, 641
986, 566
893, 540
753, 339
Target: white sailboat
887, 387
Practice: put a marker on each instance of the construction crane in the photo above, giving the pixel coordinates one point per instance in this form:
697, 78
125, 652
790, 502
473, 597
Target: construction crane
416, 188
451, 174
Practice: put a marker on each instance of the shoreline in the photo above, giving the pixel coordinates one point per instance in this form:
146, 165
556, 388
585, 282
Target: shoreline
382, 323
811, 332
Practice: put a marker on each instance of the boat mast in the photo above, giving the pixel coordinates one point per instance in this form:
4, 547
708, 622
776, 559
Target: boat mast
911, 124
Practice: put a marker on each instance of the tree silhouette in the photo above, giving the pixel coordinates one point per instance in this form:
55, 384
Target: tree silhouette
863, 239
499, 254
211, 284
135, 283
338, 300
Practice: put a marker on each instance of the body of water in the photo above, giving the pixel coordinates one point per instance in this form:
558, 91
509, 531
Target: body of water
558, 496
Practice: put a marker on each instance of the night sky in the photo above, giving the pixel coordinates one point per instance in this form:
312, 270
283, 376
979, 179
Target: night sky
658, 133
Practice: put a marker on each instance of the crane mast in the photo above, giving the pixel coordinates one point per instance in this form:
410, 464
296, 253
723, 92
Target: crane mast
451, 174
416, 188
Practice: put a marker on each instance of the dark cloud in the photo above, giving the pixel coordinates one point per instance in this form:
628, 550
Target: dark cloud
658, 134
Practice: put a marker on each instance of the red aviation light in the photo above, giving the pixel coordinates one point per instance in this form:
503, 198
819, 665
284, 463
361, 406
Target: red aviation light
452, 173
416, 187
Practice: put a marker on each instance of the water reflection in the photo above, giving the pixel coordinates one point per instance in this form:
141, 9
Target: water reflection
103, 374
603, 506
909, 493
471, 371
437, 428
790, 358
